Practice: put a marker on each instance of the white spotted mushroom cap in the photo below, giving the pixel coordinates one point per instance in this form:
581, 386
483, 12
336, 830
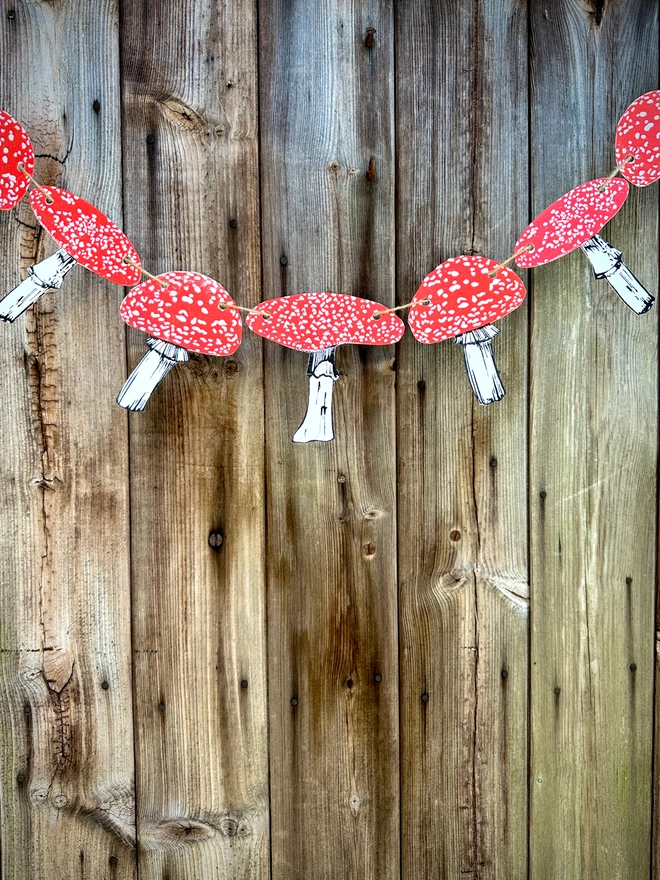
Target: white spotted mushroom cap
15, 147
460, 296
570, 221
315, 321
638, 135
86, 234
187, 312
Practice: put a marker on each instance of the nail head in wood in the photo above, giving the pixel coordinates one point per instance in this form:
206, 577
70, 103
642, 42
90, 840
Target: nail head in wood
96, 106
378, 677
294, 701
557, 690
341, 478
543, 494
493, 462
20, 777
505, 673
151, 139
633, 667
629, 581
244, 684
425, 697
233, 224
105, 685
27, 709
369, 39
283, 260
161, 707
215, 540
113, 860
455, 535
11, 15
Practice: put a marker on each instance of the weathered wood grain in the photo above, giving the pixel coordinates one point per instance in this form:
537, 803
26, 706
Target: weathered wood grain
593, 455
191, 167
326, 110
66, 710
462, 472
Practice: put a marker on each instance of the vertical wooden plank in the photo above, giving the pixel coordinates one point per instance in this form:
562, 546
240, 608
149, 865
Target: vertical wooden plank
327, 207
462, 183
593, 454
67, 805
190, 137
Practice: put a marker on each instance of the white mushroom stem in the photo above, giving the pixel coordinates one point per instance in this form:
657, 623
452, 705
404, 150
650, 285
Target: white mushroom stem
317, 424
607, 263
149, 373
480, 363
46, 275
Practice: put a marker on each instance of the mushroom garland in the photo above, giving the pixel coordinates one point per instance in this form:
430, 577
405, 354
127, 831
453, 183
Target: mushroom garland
181, 312
16, 158
318, 323
460, 300
85, 236
574, 221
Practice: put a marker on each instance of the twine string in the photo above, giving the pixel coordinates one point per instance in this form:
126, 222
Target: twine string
527, 249
423, 302
225, 305
44, 192
619, 168
129, 262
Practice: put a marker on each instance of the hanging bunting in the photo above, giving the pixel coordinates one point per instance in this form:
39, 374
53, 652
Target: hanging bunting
317, 323
638, 140
181, 312
460, 300
574, 221
16, 158
85, 236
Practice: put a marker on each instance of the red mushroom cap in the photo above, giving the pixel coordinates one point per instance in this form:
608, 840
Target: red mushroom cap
15, 147
91, 238
188, 312
462, 296
315, 321
638, 135
570, 221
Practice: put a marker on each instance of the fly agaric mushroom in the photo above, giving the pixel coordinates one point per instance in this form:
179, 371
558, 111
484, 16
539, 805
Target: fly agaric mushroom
637, 145
459, 300
16, 154
574, 221
318, 323
85, 236
181, 312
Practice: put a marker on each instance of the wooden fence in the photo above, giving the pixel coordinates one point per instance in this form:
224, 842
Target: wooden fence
425, 650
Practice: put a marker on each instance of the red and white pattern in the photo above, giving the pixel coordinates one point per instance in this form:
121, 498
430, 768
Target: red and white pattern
462, 296
315, 321
187, 313
638, 135
91, 238
570, 221
15, 147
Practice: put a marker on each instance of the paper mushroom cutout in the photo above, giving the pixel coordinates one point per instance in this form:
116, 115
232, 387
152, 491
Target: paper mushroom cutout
85, 236
16, 157
181, 312
317, 323
638, 140
574, 221
460, 300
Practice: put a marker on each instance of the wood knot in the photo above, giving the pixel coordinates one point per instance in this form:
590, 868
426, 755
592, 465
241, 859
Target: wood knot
232, 827
368, 550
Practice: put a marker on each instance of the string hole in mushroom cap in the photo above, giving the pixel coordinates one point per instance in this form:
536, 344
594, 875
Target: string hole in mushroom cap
425, 302
376, 316
265, 316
